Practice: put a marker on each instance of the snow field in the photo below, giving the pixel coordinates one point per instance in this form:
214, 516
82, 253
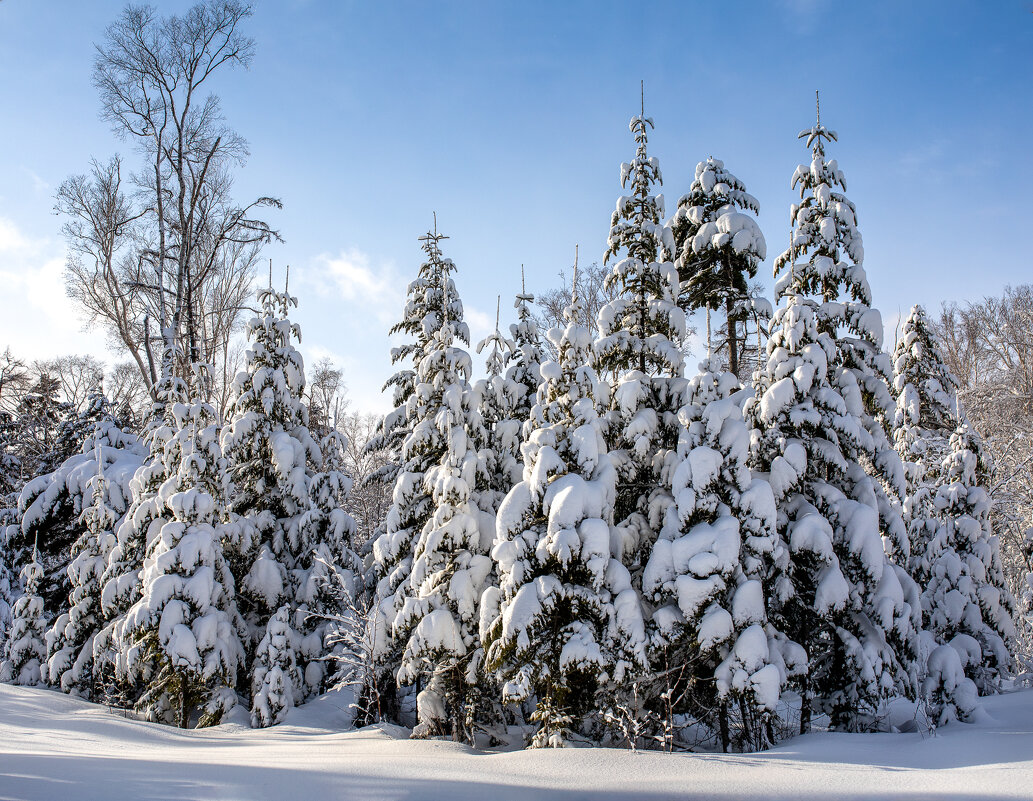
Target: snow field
54, 747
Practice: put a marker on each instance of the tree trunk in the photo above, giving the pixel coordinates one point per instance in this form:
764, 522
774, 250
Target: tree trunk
733, 336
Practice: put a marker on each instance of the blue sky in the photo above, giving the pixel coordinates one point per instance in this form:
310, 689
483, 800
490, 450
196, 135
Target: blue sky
510, 120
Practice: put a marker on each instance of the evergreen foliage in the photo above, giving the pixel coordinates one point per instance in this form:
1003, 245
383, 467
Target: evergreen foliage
818, 416
641, 332
70, 640
181, 638
411, 432
276, 679
966, 593
26, 651
717, 248
716, 561
271, 458
565, 607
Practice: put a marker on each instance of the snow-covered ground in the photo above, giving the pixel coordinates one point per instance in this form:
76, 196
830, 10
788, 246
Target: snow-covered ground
55, 747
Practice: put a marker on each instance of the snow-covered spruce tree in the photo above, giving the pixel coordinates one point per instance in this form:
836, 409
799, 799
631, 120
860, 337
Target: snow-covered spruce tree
50, 505
717, 248
565, 620
429, 302
640, 344
717, 559
329, 577
436, 618
818, 418
926, 416
498, 398
525, 364
966, 593
276, 673
5, 595
70, 640
432, 300
145, 514
181, 640
26, 651
271, 458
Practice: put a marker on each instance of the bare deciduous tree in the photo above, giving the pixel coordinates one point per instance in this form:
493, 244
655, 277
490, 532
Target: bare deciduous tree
326, 400
370, 498
177, 252
989, 346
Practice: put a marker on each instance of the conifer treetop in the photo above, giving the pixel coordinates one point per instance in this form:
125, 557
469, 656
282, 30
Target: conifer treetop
825, 232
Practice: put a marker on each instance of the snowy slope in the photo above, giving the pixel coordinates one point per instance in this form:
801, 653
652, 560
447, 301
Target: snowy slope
55, 747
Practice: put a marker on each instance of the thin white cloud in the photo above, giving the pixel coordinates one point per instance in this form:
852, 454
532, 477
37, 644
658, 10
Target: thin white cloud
357, 279
39, 186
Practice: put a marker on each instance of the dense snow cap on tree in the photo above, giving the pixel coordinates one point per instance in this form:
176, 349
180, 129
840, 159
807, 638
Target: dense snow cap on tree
717, 248
818, 414
966, 593
5, 597
276, 680
717, 559
926, 416
641, 331
436, 605
181, 638
825, 232
26, 651
927, 394
329, 576
411, 429
50, 505
143, 519
852, 610
500, 401
270, 459
431, 299
565, 620
70, 640
528, 355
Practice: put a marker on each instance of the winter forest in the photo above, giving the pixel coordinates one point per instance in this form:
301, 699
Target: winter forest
689, 503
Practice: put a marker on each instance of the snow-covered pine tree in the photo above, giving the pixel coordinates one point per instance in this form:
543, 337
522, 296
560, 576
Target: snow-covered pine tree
966, 592
717, 248
181, 639
432, 299
329, 578
271, 458
565, 620
641, 328
70, 640
436, 620
926, 416
717, 559
26, 651
276, 676
818, 415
